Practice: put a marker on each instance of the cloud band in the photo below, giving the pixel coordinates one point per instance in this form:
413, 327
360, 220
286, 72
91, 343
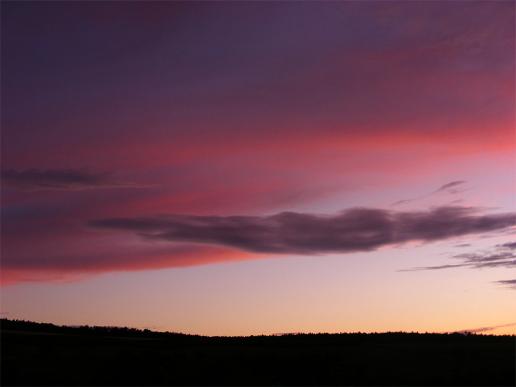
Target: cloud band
356, 229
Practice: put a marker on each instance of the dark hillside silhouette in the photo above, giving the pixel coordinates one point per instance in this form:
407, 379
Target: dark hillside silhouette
45, 354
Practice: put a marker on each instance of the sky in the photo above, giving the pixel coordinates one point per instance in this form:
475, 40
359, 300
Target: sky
239, 168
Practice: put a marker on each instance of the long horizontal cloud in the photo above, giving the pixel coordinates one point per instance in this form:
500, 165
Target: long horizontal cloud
356, 229
60, 179
505, 260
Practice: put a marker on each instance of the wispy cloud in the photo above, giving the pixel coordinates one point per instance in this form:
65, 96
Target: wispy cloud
486, 329
510, 283
509, 245
448, 187
439, 267
61, 179
356, 229
502, 255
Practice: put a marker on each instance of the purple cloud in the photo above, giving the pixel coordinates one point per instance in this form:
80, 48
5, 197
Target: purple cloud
356, 229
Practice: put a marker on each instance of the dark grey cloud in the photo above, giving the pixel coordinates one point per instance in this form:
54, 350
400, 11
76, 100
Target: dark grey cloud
485, 257
356, 229
510, 245
60, 179
510, 283
511, 263
448, 187
486, 329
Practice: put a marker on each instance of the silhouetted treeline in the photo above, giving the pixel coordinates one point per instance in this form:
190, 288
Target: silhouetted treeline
22, 325
46, 354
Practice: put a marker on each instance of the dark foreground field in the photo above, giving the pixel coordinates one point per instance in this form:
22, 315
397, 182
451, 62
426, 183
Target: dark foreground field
44, 354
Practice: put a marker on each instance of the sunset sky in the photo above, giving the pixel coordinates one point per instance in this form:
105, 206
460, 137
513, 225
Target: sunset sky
237, 168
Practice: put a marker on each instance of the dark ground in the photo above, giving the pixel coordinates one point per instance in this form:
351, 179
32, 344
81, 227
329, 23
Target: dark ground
44, 354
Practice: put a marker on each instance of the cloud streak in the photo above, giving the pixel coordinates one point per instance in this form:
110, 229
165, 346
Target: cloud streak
510, 283
356, 229
500, 256
60, 179
448, 187
486, 329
